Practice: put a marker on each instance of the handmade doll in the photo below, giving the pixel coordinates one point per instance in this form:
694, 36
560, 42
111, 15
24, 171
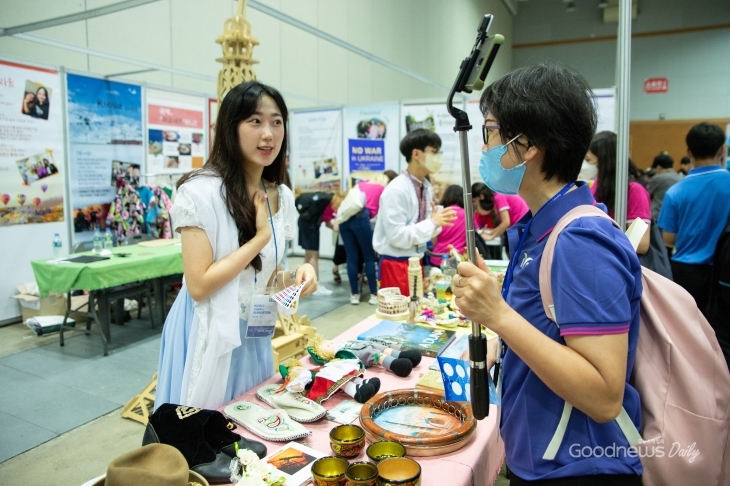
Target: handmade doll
322, 382
369, 352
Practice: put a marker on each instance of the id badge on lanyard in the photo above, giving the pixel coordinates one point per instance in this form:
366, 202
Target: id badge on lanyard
262, 320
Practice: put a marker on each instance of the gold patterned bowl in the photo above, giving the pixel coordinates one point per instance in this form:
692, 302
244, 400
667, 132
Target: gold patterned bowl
362, 474
347, 440
378, 451
399, 471
329, 471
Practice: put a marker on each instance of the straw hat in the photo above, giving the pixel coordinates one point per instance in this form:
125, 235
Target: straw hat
151, 465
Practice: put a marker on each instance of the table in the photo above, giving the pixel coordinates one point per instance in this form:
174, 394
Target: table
141, 264
478, 463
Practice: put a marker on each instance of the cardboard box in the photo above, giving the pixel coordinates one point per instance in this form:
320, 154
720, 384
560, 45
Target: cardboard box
53, 305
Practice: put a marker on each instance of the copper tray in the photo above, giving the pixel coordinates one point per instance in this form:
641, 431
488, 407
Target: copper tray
422, 421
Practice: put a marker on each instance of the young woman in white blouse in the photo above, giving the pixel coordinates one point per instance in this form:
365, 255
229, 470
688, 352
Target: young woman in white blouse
234, 216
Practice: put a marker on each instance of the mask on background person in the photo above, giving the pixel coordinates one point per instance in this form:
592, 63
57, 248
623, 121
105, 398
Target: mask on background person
588, 172
433, 162
496, 177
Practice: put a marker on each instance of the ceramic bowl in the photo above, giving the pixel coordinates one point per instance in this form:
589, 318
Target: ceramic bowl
399, 471
347, 440
329, 471
378, 451
362, 474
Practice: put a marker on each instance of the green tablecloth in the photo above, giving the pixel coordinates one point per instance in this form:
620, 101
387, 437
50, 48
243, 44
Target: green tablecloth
143, 263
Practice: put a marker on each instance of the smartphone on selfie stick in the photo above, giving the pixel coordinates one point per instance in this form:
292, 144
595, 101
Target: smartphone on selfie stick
472, 73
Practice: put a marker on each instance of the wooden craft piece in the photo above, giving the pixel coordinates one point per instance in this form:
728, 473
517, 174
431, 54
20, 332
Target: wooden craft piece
237, 44
140, 407
291, 335
422, 421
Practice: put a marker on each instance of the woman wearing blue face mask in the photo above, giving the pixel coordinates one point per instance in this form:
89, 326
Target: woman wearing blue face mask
562, 387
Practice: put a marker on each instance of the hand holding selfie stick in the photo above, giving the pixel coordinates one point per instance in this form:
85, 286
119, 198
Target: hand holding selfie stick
472, 73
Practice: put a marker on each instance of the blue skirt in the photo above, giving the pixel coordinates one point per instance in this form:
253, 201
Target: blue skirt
251, 363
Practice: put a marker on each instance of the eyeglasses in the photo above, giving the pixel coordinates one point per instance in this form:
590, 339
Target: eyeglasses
485, 132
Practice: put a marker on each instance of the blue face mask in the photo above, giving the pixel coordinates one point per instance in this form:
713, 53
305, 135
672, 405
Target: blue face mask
496, 177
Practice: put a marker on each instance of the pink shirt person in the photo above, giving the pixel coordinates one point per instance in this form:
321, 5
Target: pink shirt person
372, 192
638, 202
515, 205
454, 235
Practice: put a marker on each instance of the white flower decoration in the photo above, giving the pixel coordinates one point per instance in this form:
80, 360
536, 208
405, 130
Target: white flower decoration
247, 458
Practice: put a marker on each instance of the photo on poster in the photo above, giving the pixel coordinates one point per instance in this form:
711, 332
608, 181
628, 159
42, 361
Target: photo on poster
36, 100
36, 167
184, 148
427, 123
171, 135
325, 167
126, 171
155, 142
373, 128
90, 217
172, 162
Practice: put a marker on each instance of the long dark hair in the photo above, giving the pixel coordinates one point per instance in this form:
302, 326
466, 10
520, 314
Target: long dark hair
603, 147
226, 159
453, 195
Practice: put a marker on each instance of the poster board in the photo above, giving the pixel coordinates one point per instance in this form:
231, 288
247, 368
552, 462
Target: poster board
176, 134
212, 117
435, 117
26, 140
605, 102
371, 141
315, 160
105, 142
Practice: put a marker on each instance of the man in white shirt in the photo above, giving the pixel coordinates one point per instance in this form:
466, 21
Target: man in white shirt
406, 220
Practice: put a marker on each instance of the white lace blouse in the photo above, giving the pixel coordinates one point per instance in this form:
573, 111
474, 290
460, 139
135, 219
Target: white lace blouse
184, 213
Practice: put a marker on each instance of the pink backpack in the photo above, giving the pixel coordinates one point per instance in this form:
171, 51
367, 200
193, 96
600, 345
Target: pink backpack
680, 374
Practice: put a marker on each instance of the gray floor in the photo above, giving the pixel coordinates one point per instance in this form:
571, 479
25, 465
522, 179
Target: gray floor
48, 390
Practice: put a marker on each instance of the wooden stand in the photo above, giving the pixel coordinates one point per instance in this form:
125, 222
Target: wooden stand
139, 407
237, 43
290, 338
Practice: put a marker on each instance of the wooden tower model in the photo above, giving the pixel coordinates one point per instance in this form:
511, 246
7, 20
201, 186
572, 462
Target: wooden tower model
237, 43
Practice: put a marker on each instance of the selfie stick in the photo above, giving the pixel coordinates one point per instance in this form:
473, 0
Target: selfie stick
472, 73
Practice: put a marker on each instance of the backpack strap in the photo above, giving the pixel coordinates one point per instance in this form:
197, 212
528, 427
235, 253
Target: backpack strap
546, 264
623, 420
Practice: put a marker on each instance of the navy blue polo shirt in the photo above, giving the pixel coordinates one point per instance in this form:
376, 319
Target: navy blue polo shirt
697, 210
596, 284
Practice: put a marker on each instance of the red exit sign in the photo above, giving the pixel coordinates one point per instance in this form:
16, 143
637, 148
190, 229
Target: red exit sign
656, 85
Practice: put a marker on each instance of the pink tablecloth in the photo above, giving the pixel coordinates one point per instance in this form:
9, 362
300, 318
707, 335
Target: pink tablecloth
476, 464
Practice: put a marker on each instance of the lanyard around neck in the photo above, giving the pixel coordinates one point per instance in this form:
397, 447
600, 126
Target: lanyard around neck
273, 235
516, 255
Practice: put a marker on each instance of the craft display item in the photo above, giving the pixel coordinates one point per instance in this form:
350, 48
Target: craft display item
391, 304
274, 425
347, 440
385, 449
204, 437
370, 353
288, 299
415, 272
246, 468
329, 471
399, 471
297, 406
322, 382
361, 474
422, 421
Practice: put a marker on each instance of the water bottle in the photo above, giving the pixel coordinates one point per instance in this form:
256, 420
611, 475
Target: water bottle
108, 242
57, 246
98, 244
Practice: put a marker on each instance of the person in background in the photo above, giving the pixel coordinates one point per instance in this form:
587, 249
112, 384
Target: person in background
233, 219
602, 154
406, 220
509, 208
311, 207
41, 103
357, 235
696, 210
685, 165
662, 179
539, 121
454, 235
